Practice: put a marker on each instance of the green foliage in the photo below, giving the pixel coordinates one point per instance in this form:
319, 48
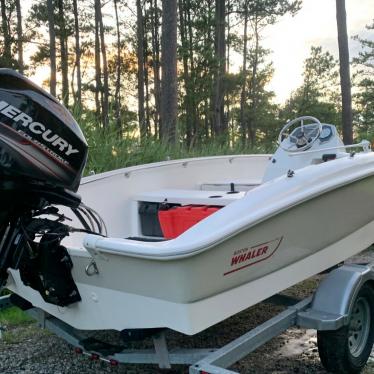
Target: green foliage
14, 316
9, 61
319, 94
364, 85
108, 151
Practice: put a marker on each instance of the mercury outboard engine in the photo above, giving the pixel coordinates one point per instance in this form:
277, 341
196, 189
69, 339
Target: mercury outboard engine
42, 156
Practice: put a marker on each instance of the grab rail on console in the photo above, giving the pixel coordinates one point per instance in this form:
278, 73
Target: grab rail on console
365, 144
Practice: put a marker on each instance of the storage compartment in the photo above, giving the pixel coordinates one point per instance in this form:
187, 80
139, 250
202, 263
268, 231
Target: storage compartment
148, 213
149, 222
177, 220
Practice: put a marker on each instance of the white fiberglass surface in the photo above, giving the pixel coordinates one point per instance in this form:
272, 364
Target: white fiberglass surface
258, 204
114, 195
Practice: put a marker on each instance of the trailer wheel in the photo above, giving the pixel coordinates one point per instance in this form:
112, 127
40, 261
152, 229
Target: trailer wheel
347, 350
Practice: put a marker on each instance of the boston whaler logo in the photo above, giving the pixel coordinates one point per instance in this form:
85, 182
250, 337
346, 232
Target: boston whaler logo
36, 128
242, 258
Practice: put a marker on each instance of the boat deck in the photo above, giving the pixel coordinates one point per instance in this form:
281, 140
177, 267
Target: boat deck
218, 192
186, 197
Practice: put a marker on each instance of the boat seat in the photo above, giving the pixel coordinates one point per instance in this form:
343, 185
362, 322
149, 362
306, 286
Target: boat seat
225, 185
187, 197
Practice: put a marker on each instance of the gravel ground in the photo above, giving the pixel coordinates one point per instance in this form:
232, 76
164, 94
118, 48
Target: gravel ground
28, 349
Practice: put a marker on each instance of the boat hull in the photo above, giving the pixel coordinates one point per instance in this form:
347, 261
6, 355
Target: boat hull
192, 293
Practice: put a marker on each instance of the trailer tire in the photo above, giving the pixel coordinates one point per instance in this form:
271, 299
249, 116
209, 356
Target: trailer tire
347, 350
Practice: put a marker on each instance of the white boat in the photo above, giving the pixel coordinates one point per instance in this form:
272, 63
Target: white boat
281, 219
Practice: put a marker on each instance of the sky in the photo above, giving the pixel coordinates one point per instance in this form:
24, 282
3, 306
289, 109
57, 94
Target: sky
315, 24
290, 40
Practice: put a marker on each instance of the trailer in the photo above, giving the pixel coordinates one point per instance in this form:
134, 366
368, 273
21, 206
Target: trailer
341, 310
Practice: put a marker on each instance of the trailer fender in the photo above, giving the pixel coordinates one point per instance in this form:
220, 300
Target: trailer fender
333, 300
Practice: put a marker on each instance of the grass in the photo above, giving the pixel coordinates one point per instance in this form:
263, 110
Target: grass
18, 325
108, 151
22, 333
14, 317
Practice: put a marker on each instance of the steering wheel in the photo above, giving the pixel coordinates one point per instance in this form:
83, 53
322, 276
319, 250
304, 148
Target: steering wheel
301, 142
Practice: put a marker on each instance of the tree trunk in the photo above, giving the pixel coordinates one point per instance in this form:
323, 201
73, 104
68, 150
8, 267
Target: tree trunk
193, 107
220, 56
6, 34
146, 82
345, 78
19, 37
77, 55
228, 42
186, 76
140, 55
98, 88
156, 66
105, 97
169, 70
243, 94
209, 73
64, 53
253, 94
117, 95
72, 84
228, 37
52, 46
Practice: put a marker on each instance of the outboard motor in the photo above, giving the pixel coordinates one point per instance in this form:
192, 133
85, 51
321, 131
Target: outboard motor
42, 156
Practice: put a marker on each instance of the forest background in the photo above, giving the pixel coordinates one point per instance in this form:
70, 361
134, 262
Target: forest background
149, 80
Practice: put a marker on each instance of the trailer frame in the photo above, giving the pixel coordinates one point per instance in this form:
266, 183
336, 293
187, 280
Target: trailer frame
328, 309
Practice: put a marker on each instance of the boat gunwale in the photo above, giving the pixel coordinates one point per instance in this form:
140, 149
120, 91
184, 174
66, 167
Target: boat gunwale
153, 165
125, 247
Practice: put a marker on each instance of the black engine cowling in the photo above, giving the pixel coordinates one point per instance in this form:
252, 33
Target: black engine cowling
39, 139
